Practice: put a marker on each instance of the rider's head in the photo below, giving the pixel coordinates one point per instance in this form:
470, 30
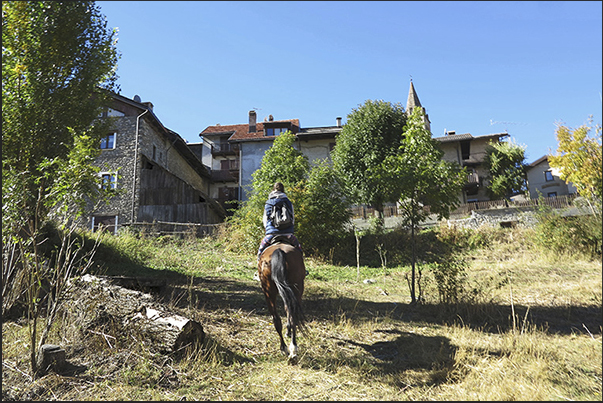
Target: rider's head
279, 187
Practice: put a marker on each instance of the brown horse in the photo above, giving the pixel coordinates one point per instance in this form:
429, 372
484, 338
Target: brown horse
282, 271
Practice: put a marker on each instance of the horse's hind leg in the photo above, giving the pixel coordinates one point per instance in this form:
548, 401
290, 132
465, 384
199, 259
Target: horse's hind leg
279, 328
292, 334
278, 324
293, 344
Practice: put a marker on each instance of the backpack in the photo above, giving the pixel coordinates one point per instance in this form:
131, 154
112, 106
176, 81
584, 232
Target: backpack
281, 217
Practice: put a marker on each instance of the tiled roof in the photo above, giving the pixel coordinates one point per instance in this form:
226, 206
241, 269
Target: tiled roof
241, 132
468, 136
319, 132
454, 137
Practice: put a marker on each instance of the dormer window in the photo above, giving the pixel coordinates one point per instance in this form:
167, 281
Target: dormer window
273, 128
275, 131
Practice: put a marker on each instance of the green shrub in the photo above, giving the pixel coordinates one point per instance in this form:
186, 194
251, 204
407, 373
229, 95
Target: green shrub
321, 211
450, 276
572, 235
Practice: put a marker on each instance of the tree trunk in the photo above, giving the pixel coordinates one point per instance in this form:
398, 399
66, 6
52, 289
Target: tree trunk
102, 307
379, 216
412, 241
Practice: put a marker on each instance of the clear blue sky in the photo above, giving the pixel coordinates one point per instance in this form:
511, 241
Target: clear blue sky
477, 67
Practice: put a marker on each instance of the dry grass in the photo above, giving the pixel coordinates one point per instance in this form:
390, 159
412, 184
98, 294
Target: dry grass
365, 342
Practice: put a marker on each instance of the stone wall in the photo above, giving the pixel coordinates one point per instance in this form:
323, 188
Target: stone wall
504, 217
120, 160
496, 217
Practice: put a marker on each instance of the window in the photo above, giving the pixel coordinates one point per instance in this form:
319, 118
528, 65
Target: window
275, 131
552, 194
110, 113
465, 150
108, 142
108, 181
548, 176
229, 164
154, 153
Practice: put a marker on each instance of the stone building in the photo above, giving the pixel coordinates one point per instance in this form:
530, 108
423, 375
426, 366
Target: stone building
156, 176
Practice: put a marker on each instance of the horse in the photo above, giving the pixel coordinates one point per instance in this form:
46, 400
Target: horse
282, 272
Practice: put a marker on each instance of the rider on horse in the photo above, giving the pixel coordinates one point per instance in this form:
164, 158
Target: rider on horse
277, 196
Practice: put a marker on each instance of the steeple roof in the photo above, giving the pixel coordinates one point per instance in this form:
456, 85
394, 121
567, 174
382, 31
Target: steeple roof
413, 98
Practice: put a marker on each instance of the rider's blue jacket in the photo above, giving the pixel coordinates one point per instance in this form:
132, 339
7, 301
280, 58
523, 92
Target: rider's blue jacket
273, 198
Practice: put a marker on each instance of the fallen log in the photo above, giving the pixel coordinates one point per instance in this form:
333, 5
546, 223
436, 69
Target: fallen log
99, 306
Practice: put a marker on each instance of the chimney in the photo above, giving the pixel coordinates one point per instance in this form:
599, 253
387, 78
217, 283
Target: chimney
252, 120
338, 121
451, 133
270, 118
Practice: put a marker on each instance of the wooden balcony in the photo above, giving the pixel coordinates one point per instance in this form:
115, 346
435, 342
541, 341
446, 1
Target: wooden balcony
225, 175
472, 180
224, 149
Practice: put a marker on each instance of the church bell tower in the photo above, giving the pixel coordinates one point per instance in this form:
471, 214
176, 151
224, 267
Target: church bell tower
413, 102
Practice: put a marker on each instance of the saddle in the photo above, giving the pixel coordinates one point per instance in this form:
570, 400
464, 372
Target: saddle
281, 239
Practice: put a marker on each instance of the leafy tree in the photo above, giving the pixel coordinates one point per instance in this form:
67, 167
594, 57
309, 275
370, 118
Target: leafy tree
506, 166
58, 66
579, 160
58, 61
373, 132
281, 163
323, 210
426, 183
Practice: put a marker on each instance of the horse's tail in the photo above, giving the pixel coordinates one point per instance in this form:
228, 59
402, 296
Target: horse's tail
278, 264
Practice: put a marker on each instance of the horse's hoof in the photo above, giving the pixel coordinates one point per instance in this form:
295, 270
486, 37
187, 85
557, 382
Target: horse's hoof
293, 359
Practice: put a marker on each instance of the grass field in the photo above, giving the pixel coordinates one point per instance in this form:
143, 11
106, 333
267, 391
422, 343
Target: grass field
525, 326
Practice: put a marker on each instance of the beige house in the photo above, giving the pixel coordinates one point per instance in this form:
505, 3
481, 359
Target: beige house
233, 152
545, 181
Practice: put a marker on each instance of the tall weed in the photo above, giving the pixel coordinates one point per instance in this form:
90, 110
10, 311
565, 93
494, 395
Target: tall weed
450, 277
571, 235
